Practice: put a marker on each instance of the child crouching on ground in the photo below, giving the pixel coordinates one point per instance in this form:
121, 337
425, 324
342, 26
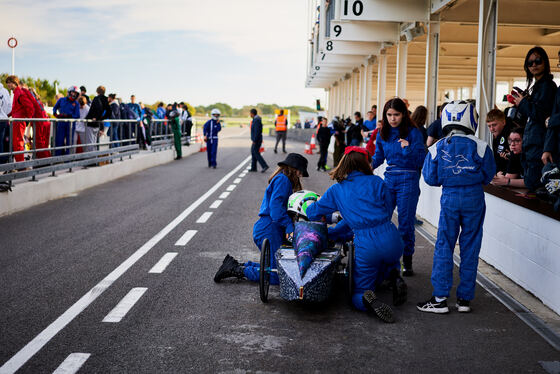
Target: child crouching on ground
462, 164
274, 222
365, 205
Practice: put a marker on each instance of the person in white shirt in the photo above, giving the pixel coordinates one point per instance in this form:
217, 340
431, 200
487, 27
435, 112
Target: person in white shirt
80, 132
5, 109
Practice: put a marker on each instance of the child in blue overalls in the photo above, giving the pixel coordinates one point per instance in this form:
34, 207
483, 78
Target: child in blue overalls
274, 222
400, 143
462, 164
211, 129
365, 205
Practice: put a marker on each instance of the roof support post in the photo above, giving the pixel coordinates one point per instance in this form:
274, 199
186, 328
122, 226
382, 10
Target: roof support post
369, 82
432, 64
363, 88
402, 60
381, 79
486, 64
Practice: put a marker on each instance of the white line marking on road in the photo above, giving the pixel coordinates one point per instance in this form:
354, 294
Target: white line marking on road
204, 217
216, 204
124, 306
31, 348
242, 175
224, 195
162, 264
187, 236
237, 180
231, 187
72, 364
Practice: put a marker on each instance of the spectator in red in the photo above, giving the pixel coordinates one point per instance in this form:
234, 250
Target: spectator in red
42, 133
371, 142
22, 107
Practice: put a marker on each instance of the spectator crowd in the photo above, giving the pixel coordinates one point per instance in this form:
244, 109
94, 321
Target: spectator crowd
82, 121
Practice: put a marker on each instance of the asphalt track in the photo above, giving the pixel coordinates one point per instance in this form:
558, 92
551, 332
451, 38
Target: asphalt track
54, 254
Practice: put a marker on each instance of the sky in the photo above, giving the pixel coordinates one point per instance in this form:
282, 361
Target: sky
240, 52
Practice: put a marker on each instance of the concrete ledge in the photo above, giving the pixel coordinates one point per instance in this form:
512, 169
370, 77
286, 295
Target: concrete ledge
28, 194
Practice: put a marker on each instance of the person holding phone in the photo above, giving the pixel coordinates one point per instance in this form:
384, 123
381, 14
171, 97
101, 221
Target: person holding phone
536, 104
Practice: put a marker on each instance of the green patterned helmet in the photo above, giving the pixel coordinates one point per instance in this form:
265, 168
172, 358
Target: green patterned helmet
300, 200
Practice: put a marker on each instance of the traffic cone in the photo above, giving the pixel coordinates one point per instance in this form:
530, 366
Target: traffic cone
313, 144
202, 144
308, 150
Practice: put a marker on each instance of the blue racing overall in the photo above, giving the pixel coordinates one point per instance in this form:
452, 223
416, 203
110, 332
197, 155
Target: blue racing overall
462, 164
402, 178
274, 223
211, 130
365, 205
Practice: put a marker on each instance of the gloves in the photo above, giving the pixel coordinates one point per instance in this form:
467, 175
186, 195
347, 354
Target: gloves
553, 186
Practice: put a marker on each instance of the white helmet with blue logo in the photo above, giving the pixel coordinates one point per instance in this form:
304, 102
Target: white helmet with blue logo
460, 115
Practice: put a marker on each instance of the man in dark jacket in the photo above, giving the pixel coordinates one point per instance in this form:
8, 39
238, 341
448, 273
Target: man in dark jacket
115, 113
552, 139
324, 138
257, 139
98, 112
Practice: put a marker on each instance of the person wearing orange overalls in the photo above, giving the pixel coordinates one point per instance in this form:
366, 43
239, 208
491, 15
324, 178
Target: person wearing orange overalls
281, 125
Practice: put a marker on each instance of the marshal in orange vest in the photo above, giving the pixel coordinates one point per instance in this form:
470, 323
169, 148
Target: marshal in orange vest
281, 122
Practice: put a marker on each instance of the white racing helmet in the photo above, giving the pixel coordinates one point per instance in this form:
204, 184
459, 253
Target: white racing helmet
300, 200
460, 115
73, 92
215, 112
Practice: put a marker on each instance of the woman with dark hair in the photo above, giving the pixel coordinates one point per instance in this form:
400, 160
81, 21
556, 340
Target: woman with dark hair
364, 202
536, 104
419, 117
274, 221
400, 143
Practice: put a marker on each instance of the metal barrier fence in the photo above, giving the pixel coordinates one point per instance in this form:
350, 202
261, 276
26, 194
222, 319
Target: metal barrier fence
125, 139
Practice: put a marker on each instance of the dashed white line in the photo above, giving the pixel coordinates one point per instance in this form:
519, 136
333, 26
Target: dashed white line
38, 342
162, 264
216, 204
224, 195
187, 236
231, 187
204, 217
242, 175
237, 180
72, 363
124, 306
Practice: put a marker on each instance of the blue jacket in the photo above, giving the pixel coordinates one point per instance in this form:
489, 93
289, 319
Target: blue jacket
136, 109
398, 158
275, 202
459, 160
160, 112
67, 107
211, 130
362, 200
256, 129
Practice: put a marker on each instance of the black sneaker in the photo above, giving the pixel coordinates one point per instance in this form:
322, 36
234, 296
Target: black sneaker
432, 306
400, 291
264, 170
463, 306
380, 309
275, 151
227, 269
252, 170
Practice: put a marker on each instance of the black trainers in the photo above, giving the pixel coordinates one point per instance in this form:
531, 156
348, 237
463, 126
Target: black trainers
407, 266
400, 291
432, 306
228, 269
463, 306
380, 309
